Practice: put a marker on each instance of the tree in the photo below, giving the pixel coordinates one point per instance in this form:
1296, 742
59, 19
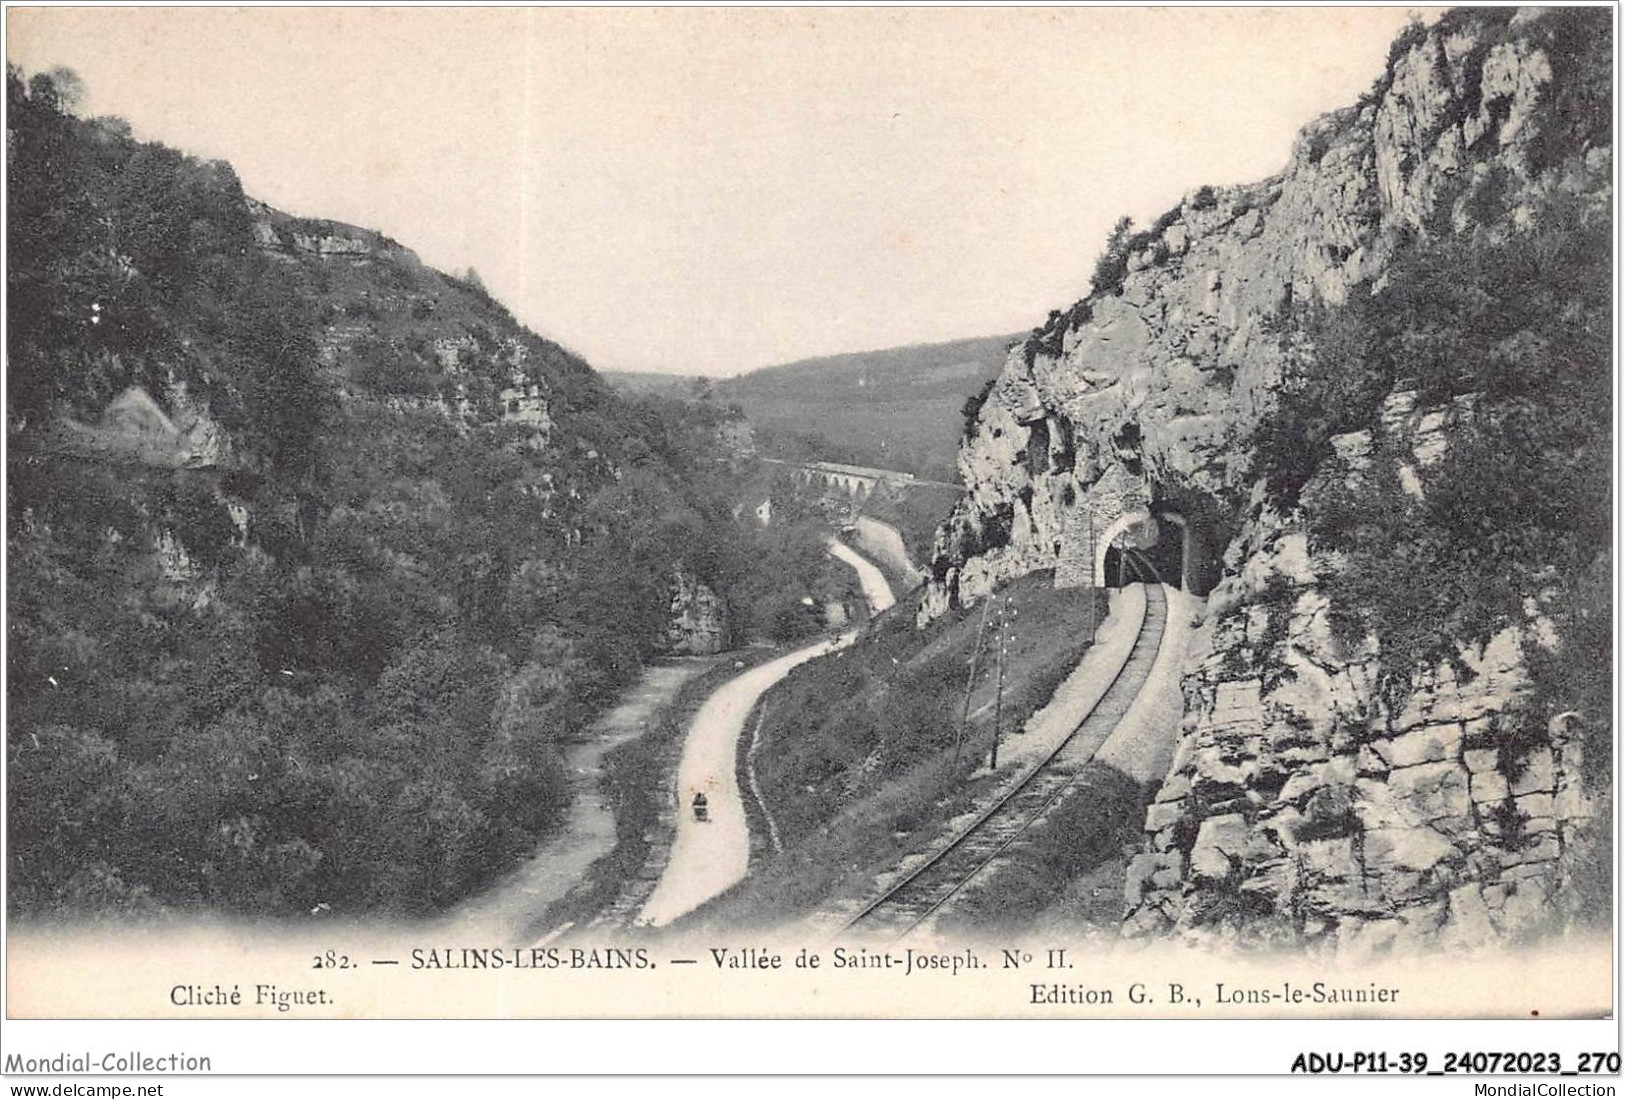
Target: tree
1112, 266
58, 89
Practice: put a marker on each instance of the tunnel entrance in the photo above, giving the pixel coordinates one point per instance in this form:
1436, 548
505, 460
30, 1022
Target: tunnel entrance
1164, 544
1167, 556
1128, 564
1196, 527
1119, 570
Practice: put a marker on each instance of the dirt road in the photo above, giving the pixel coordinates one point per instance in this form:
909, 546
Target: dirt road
506, 910
709, 856
875, 589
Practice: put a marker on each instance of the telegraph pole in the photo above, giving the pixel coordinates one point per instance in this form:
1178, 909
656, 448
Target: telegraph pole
1094, 592
998, 695
970, 684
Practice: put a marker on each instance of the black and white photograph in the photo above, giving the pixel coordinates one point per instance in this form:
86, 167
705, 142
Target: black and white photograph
826, 513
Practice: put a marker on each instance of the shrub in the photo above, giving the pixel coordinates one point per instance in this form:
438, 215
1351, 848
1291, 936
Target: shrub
1575, 105
1320, 143
1112, 266
971, 411
1521, 498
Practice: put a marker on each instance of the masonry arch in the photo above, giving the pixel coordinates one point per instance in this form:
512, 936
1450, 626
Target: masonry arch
1176, 545
1104, 543
1125, 566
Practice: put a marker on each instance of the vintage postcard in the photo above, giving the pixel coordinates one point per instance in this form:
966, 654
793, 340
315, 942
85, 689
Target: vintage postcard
772, 513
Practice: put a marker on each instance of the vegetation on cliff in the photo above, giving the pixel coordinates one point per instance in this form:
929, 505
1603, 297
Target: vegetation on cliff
1511, 333
323, 656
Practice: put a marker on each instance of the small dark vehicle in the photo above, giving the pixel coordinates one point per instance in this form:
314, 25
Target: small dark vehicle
702, 809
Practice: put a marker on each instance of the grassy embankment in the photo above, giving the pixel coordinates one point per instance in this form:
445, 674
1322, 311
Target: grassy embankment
856, 760
1068, 870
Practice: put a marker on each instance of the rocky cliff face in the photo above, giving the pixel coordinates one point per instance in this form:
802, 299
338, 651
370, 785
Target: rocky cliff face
699, 620
1301, 798
1302, 802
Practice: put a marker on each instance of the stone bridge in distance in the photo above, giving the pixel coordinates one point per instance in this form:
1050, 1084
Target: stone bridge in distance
857, 482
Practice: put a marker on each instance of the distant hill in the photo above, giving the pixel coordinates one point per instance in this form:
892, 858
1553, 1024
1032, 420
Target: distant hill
647, 383
898, 408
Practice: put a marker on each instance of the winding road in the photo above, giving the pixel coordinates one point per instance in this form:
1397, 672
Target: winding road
876, 591
519, 901
884, 543
708, 857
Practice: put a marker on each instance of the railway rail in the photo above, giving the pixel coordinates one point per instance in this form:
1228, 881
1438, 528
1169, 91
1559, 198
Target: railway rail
924, 891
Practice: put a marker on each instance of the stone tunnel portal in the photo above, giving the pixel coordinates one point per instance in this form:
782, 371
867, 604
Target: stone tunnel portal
1166, 542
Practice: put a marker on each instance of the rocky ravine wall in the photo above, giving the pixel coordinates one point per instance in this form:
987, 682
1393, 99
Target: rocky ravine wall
1301, 803
1297, 802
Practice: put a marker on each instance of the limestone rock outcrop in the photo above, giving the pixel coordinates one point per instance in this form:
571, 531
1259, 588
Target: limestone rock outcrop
1304, 802
136, 427
288, 238
698, 618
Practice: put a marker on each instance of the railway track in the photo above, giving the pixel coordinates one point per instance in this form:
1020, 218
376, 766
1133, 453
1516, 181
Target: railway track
915, 898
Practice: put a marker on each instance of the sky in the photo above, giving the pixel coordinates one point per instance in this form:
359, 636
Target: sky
707, 191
